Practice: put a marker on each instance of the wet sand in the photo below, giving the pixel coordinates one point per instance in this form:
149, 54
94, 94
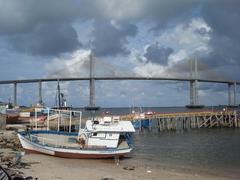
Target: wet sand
45, 167
48, 167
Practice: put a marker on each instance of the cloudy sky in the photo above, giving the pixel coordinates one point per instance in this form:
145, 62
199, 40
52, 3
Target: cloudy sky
54, 38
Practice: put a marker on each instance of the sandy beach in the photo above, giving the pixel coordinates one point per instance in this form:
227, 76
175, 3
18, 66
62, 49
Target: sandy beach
47, 167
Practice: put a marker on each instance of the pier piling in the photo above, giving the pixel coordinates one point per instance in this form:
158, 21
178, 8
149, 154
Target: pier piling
191, 120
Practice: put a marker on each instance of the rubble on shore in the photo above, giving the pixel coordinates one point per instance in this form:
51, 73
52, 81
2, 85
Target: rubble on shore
11, 153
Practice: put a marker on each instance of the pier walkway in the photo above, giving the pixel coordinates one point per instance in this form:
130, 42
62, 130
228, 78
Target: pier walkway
160, 120
188, 120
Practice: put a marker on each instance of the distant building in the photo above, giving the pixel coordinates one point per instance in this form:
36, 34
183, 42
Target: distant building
3, 103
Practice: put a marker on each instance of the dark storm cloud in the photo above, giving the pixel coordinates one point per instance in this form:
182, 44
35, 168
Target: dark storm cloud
223, 17
225, 51
109, 39
204, 71
39, 27
44, 27
155, 53
47, 39
22, 16
26, 22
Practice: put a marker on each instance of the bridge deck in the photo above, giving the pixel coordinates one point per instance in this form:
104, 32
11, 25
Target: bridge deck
117, 78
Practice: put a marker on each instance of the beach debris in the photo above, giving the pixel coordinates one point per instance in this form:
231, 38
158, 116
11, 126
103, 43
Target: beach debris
3, 174
130, 168
9, 139
107, 178
11, 157
148, 170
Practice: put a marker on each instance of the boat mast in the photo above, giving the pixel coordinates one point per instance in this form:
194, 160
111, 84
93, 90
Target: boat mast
59, 95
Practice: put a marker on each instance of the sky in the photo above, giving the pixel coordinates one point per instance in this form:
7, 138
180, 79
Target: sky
153, 38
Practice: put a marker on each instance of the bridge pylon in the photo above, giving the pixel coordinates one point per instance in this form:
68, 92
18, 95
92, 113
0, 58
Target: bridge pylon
193, 88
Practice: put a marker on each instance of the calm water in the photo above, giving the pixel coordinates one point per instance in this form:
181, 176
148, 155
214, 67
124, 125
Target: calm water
208, 150
213, 151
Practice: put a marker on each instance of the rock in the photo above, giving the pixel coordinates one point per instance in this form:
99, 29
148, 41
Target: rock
8, 157
2, 143
11, 172
18, 177
9, 145
4, 166
129, 168
29, 178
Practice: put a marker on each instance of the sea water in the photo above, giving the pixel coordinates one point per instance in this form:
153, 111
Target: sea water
206, 150
214, 151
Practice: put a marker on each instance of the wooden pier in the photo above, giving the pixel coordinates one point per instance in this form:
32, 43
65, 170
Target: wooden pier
162, 121
190, 120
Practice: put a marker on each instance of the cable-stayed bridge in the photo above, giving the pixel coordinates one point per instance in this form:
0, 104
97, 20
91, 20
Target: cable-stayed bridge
86, 71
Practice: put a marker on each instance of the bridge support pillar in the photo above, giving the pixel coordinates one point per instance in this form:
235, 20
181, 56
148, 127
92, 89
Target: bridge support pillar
15, 94
234, 94
40, 101
92, 102
193, 93
194, 85
232, 89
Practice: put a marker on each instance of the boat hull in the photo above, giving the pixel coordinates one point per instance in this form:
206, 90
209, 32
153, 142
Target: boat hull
31, 147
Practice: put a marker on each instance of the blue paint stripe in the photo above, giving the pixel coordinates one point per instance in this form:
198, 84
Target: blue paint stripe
48, 132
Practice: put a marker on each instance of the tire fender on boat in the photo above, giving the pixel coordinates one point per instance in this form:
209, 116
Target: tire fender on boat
82, 140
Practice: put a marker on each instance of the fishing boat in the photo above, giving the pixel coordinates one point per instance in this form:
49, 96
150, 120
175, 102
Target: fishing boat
107, 137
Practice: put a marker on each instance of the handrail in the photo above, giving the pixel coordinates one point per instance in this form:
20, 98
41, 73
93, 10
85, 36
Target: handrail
177, 114
59, 114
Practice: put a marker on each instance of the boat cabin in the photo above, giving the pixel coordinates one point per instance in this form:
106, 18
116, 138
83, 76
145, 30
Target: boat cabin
107, 132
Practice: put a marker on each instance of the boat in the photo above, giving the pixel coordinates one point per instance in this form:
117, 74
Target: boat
107, 137
3, 174
61, 101
12, 116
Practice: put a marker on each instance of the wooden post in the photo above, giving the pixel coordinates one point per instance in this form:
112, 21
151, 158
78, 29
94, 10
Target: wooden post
150, 124
198, 123
158, 124
2, 118
35, 119
70, 122
235, 118
48, 119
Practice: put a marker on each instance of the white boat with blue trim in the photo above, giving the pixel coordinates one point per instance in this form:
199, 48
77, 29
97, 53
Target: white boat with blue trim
107, 137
